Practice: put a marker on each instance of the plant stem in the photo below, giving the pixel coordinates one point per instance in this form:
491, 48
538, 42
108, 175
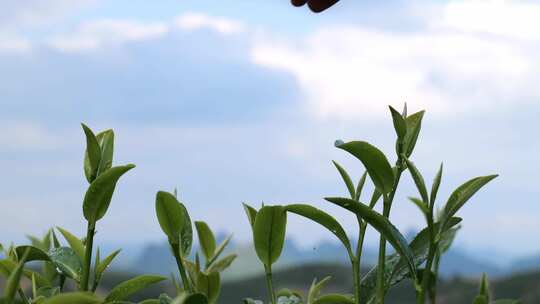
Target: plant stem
356, 262
23, 296
181, 268
356, 278
433, 293
269, 285
387, 205
87, 256
427, 272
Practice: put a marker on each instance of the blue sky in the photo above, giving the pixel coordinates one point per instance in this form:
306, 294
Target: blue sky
242, 102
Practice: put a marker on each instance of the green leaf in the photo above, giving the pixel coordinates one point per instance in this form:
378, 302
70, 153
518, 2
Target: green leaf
12, 283
105, 140
222, 264
186, 233
67, 261
104, 264
315, 289
251, 301
421, 205
74, 242
360, 186
382, 225
375, 162
73, 297
34, 253
435, 186
196, 298
100, 192
170, 216
346, 179
323, 219
92, 155
419, 181
334, 299
399, 123
414, 124
484, 287
251, 213
219, 250
207, 241
396, 267
8, 266
209, 285
462, 194
269, 233
129, 287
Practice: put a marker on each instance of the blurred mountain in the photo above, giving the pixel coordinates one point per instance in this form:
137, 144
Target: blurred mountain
156, 258
526, 263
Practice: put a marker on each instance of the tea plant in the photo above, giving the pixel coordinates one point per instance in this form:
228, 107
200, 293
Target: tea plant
200, 284
73, 263
417, 260
484, 298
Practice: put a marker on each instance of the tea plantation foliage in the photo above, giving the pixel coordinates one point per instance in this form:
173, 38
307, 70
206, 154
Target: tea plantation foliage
70, 260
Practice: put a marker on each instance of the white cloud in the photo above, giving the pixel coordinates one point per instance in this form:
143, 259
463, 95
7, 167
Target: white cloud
194, 21
10, 43
350, 72
497, 17
95, 34
27, 136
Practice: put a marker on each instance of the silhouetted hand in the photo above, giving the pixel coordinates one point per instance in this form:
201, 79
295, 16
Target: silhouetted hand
316, 6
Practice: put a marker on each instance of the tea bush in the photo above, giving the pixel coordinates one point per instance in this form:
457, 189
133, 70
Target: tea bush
199, 281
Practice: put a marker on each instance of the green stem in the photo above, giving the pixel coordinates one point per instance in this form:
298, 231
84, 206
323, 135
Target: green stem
87, 256
433, 293
387, 205
356, 278
269, 284
181, 268
23, 296
356, 262
427, 274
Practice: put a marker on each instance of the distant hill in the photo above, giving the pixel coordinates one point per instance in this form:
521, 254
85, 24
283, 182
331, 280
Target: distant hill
156, 258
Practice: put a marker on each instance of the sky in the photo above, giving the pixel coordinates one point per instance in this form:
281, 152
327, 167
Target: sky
242, 102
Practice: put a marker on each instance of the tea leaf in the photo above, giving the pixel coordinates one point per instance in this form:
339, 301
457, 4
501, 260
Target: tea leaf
399, 123
186, 233
360, 186
105, 140
419, 181
251, 213
12, 283
315, 289
129, 287
346, 179
462, 194
99, 194
323, 219
74, 242
222, 264
435, 186
209, 285
196, 298
170, 216
92, 155
73, 297
207, 241
421, 205
375, 162
334, 299
382, 225
414, 124
269, 233
220, 249
67, 262
104, 264
34, 253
